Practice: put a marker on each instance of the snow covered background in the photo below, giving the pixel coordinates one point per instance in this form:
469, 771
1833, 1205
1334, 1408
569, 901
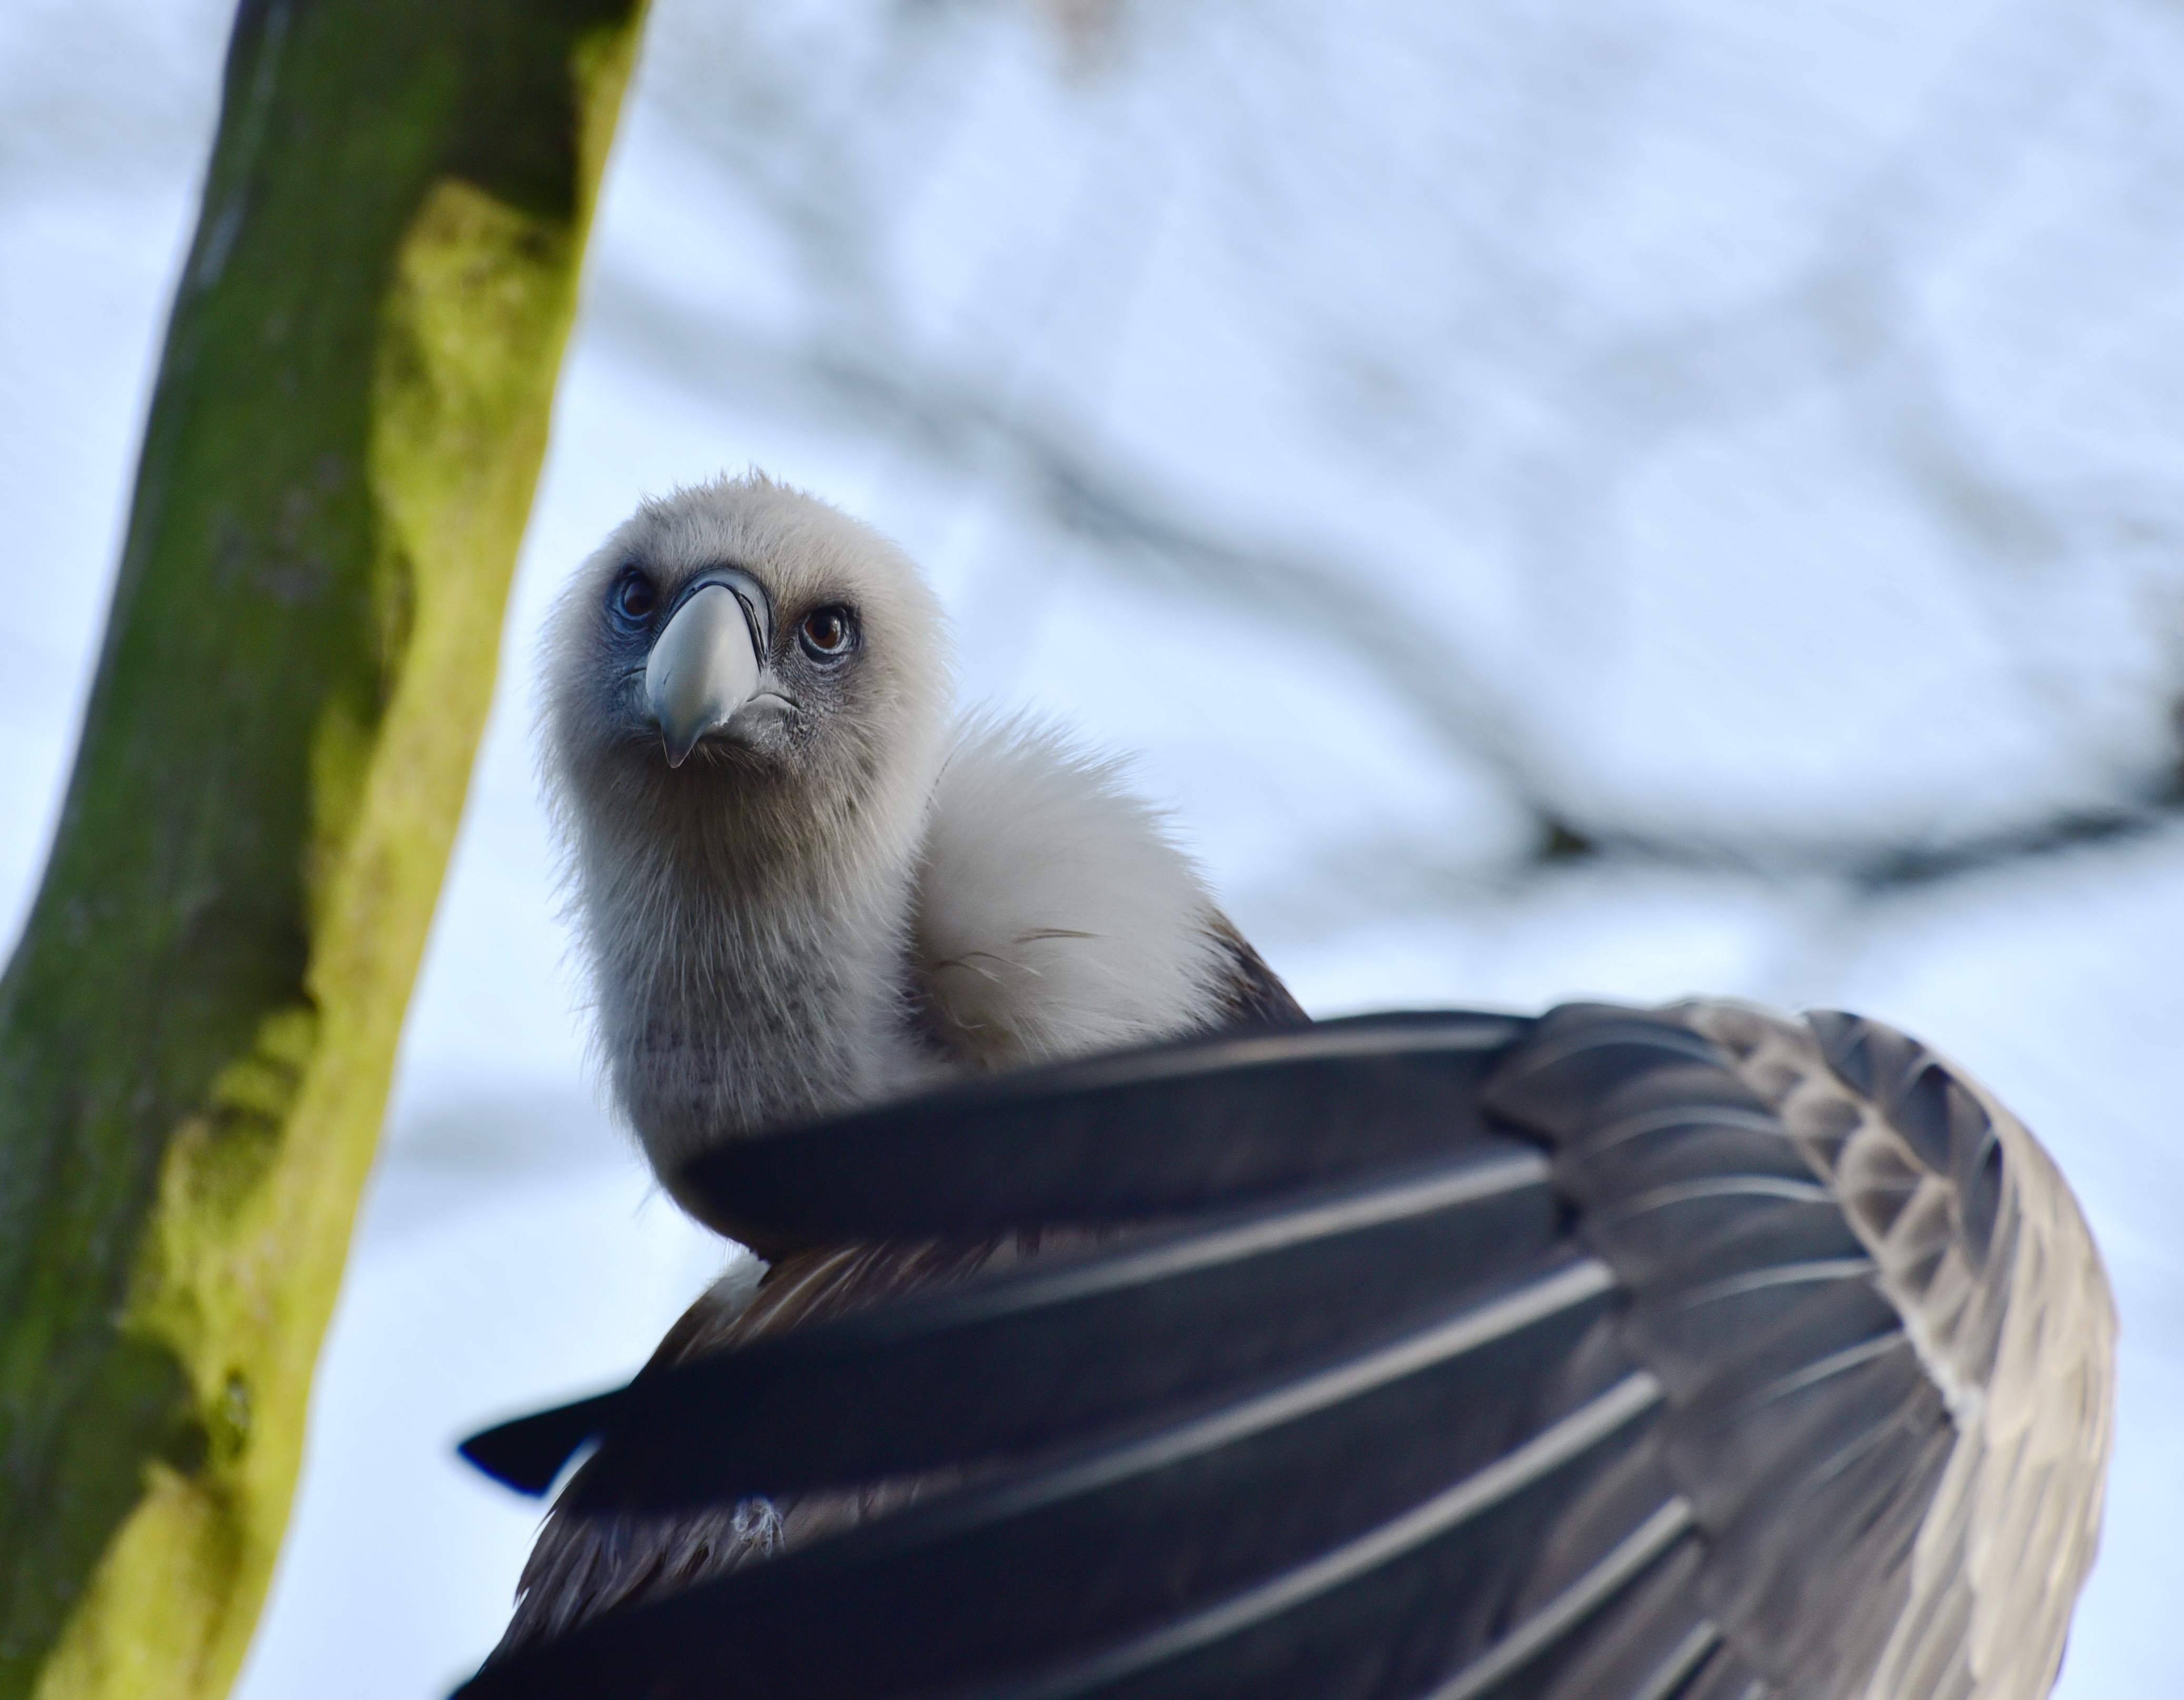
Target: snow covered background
1576, 498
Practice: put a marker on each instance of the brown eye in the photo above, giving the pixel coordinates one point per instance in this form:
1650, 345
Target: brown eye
826, 633
634, 598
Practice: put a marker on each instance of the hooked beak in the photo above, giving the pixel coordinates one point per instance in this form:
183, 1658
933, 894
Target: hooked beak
706, 664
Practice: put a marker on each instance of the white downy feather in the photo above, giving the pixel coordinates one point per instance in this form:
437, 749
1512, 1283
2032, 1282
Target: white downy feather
1055, 915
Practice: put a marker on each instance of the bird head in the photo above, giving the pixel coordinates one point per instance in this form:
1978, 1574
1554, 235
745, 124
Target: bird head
742, 662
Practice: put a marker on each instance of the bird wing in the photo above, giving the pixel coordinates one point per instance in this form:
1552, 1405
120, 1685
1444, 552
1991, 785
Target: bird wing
1056, 917
1675, 1354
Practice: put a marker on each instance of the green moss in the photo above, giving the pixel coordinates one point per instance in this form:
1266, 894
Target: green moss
196, 1029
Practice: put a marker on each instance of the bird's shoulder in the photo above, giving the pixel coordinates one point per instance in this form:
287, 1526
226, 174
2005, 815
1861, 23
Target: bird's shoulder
1055, 915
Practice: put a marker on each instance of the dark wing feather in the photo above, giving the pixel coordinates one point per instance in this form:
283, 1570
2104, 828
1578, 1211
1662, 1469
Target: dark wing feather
1303, 1495
584, 1565
1193, 1125
1060, 1349
1366, 1410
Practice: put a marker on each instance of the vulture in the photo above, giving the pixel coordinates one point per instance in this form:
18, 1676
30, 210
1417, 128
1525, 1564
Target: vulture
1123, 1332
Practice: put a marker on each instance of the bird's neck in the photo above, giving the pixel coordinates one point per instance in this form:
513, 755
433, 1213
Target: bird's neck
739, 992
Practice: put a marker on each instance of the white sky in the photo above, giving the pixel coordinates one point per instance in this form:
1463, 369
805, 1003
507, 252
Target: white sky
1752, 431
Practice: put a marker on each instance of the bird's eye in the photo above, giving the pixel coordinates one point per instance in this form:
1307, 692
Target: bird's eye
634, 598
827, 633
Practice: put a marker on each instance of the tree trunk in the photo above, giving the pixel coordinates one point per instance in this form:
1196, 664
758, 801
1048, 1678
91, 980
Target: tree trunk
197, 1028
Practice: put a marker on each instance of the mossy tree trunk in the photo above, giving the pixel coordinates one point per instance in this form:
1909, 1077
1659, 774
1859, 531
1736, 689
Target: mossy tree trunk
197, 1026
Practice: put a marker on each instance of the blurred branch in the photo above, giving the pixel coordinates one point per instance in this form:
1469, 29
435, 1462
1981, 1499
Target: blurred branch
1876, 869
197, 1028
959, 425
1524, 372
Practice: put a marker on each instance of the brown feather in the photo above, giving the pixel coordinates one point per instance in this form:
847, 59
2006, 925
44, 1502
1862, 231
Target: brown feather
1255, 996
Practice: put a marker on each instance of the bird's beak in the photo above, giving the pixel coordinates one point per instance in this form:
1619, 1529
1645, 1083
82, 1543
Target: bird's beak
704, 665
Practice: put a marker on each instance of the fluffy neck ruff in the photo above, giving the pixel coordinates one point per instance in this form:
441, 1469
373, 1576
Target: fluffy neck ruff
748, 952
